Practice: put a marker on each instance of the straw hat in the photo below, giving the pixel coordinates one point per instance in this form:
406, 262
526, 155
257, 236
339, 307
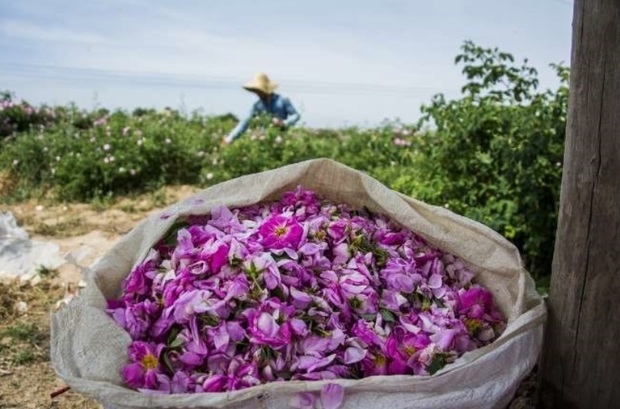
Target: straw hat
261, 83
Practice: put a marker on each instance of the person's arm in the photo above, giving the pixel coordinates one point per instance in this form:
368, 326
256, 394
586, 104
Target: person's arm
292, 114
241, 127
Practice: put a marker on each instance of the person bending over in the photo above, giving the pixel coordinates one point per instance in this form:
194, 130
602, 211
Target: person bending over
280, 108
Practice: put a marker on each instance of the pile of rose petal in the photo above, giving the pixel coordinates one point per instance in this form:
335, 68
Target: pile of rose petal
297, 289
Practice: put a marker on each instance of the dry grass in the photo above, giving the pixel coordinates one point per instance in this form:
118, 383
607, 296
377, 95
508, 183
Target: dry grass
26, 374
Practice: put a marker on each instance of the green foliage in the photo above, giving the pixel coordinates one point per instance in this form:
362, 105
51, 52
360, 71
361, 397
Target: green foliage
86, 156
266, 146
20, 116
495, 155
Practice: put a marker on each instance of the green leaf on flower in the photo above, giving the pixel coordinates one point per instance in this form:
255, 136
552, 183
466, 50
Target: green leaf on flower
279, 293
171, 237
286, 375
381, 256
208, 320
252, 272
369, 317
426, 304
361, 244
172, 335
355, 303
440, 302
241, 346
176, 343
387, 315
322, 332
266, 353
256, 291
167, 362
235, 261
438, 362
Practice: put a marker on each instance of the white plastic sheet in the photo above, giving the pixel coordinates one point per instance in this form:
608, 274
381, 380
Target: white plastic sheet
21, 257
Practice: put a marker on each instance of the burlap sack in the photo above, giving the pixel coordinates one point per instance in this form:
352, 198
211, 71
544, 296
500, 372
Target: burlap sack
89, 349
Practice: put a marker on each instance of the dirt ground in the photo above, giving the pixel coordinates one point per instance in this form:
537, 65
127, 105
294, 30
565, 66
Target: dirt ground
86, 231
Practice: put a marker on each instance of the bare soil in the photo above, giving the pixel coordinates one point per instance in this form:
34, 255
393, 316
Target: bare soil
86, 231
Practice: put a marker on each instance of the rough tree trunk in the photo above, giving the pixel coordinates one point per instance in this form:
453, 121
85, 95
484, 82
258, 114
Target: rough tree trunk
580, 365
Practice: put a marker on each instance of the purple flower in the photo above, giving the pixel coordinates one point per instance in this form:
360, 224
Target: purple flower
194, 348
140, 279
280, 231
237, 288
135, 318
337, 230
400, 282
300, 299
190, 303
264, 329
403, 349
393, 300
180, 383
299, 327
341, 253
143, 371
216, 256
239, 374
295, 289
475, 302
364, 333
375, 363
265, 265
306, 200
444, 339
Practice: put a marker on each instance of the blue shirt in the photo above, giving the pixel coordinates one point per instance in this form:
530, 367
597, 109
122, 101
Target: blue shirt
278, 106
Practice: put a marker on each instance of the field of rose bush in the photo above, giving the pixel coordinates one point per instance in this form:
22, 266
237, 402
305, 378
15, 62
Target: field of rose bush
494, 154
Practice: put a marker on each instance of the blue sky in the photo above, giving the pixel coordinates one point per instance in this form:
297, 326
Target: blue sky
345, 62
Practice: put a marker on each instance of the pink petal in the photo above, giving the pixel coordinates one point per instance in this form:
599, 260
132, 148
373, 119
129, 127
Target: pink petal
309, 249
300, 299
191, 358
219, 258
221, 338
444, 339
299, 327
353, 355
332, 396
267, 325
133, 375
215, 383
341, 253
435, 281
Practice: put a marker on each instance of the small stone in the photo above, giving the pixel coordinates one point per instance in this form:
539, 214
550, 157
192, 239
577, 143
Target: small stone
21, 307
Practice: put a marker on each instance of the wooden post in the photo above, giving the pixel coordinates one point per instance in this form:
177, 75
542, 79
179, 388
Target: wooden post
580, 364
